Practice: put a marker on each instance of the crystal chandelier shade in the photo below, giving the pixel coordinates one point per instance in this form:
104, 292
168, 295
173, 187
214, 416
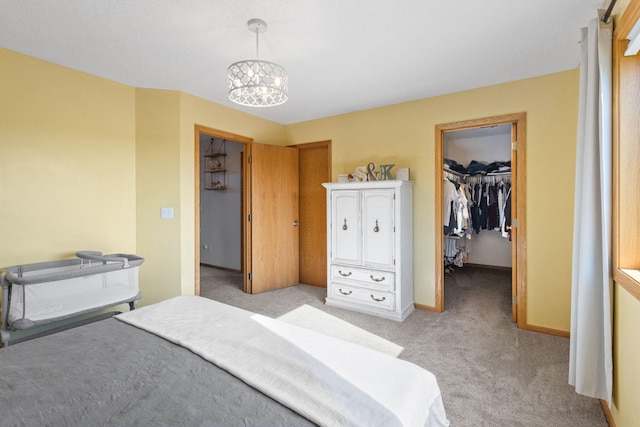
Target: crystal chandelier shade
257, 83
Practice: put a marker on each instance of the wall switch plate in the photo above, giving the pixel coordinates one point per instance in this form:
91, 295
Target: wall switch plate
167, 213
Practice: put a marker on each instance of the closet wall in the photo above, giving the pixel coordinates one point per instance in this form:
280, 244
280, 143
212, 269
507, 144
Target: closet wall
483, 145
220, 212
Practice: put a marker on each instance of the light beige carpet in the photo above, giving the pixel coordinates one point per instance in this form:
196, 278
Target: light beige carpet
316, 320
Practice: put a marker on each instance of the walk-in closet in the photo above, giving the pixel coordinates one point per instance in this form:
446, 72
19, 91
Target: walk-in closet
477, 244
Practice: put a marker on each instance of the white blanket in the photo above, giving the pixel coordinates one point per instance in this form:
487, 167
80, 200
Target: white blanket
329, 381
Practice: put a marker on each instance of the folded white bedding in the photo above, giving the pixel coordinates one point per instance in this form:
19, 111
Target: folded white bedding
329, 381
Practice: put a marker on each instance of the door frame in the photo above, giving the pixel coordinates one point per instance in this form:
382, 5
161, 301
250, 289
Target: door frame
246, 200
518, 194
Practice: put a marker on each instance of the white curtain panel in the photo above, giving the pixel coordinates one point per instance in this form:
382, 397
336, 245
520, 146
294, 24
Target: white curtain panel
590, 365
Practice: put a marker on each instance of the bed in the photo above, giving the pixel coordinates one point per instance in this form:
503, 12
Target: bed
190, 361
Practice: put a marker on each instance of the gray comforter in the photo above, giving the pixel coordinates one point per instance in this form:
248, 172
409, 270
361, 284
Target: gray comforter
109, 373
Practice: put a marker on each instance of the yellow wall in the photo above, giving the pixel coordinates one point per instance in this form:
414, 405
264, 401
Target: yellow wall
404, 134
626, 359
67, 162
158, 186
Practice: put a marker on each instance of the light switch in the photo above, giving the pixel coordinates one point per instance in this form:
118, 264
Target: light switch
167, 213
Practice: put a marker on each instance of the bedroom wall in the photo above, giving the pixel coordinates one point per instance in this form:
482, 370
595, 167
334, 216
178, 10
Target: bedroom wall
158, 186
404, 134
626, 353
67, 162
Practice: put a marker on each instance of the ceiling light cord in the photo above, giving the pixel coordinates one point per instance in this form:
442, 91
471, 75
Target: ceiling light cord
257, 44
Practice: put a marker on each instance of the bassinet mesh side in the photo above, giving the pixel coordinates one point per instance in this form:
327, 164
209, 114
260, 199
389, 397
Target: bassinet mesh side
40, 293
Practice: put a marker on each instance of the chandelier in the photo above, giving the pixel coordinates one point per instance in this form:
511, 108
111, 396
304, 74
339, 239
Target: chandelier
257, 83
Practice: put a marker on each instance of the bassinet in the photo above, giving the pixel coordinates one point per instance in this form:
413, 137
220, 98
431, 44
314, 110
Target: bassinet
40, 293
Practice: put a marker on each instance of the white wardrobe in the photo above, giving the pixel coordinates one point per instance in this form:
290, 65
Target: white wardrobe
370, 247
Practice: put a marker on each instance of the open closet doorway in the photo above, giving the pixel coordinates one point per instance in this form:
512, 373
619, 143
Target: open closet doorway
497, 142
221, 204
220, 193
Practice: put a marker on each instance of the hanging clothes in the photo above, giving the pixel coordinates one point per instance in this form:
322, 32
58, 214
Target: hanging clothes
493, 220
473, 203
506, 228
449, 196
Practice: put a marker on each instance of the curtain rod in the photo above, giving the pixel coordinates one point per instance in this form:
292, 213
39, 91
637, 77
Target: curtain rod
607, 14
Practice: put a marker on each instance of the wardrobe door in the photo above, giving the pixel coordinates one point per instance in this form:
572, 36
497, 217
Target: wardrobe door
378, 228
345, 227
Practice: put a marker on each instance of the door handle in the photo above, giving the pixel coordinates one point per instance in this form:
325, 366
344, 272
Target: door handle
296, 223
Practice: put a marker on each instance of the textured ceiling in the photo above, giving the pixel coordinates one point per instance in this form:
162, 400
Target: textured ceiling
342, 56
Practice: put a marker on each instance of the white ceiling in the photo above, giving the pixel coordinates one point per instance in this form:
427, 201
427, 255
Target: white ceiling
341, 55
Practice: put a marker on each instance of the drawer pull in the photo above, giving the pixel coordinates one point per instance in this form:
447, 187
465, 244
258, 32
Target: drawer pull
343, 274
348, 293
377, 280
376, 228
378, 299
344, 226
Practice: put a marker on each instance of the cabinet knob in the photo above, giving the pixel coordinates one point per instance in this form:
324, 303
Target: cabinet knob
378, 299
376, 228
296, 223
344, 226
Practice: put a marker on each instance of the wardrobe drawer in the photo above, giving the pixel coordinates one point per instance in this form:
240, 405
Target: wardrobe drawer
373, 279
369, 297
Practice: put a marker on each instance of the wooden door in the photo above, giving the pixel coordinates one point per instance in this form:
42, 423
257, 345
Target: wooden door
314, 170
274, 217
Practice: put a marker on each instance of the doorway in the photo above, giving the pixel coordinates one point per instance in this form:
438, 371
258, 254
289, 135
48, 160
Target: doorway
221, 203
208, 233
260, 256
515, 128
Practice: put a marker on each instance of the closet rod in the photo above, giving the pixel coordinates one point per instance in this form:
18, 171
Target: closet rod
607, 14
455, 173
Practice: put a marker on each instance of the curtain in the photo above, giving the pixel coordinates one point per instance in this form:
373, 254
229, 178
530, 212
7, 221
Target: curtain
590, 364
